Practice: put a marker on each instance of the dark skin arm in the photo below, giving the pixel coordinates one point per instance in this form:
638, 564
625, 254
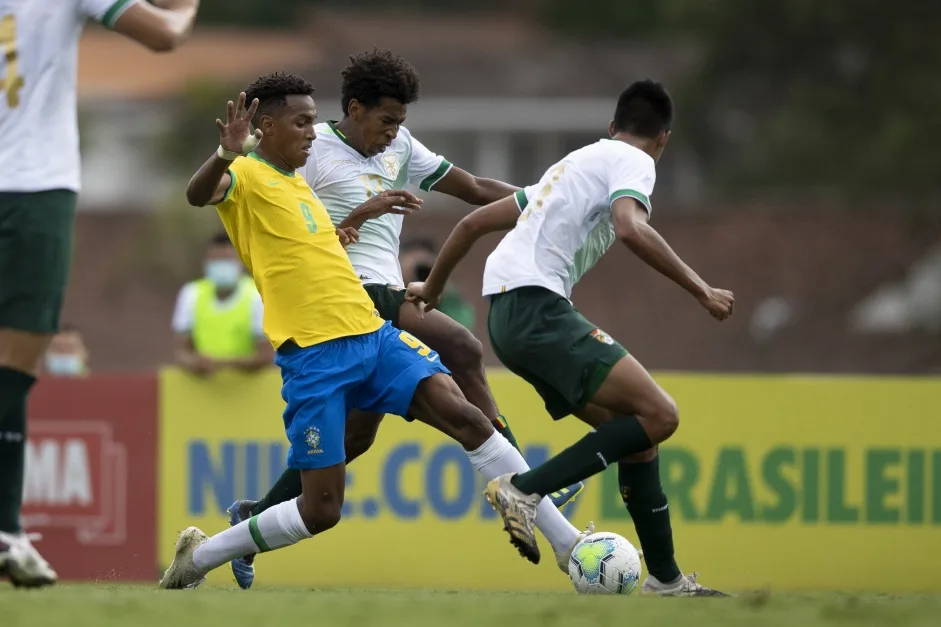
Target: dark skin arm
498, 216
631, 227
472, 189
187, 357
209, 184
396, 201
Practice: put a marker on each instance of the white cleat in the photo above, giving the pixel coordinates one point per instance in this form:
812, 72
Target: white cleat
562, 558
182, 572
518, 511
22, 563
685, 586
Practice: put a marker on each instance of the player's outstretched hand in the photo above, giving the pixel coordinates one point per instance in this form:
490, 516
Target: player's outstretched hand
348, 235
397, 201
717, 302
421, 295
235, 134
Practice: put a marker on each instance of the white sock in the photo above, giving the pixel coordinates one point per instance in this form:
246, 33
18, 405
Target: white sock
274, 528
497, 457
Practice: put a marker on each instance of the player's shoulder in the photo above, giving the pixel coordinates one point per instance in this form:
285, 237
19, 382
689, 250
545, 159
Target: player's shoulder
625, 152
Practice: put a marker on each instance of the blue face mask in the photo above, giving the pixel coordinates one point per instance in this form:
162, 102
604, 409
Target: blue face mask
65, 365
224, 273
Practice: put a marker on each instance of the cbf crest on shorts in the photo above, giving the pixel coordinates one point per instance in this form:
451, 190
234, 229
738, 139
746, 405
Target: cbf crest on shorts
602, 337
312, 438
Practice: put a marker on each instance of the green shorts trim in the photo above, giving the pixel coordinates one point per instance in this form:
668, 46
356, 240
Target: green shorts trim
36, 231
541, 337
387, 300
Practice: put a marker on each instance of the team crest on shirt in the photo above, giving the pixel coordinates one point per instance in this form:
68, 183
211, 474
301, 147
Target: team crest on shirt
602, 337
312, 438
391, 163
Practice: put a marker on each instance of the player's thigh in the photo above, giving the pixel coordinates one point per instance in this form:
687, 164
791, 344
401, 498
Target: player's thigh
539, 335
35, 258
400, 362
629, 389
316, 383
459, 349
439, 403
361, 429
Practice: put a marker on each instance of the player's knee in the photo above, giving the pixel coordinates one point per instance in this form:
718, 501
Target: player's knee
667, 418
322, 515
464, 352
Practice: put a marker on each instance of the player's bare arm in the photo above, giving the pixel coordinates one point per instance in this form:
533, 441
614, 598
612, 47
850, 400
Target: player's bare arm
631, 227
395, 201
498, 216
161, 26
208, 186
473, 189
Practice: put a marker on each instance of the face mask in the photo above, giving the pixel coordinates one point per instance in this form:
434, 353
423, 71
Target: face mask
223, 272
64, 365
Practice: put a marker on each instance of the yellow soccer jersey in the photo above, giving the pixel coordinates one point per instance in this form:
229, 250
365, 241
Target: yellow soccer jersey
285, 238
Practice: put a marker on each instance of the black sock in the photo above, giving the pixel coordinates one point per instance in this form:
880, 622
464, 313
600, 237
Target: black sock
287, 487
503, 428
14, 388
610, 442
643, 495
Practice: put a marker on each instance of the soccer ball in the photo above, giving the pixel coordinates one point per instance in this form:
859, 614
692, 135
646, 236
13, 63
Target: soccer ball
604, 563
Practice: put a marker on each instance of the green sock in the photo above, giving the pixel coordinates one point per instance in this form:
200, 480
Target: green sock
643, 495
287, 487
605, 445
14, 387
503, 428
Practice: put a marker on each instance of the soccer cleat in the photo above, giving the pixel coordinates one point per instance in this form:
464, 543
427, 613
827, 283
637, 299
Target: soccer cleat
686, 586
566, 495
242, 567
562, 557
518, 511
183, 572
22, 563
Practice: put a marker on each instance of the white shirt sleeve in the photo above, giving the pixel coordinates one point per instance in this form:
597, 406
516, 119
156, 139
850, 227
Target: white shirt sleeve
634, 176
105, 11
258, 316
425, 168
185, 310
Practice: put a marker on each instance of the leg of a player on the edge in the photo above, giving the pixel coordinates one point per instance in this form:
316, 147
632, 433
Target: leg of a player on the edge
438, 402
463, 354
315, 511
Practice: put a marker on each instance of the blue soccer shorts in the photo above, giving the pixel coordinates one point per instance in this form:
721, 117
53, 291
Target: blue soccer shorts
376, 372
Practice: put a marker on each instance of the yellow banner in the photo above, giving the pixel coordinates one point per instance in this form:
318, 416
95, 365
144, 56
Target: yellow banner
796, 483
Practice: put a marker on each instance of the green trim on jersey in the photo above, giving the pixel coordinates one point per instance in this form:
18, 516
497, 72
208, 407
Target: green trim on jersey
521, 200
228, 191
117, 10
339, 133
435, 176
268, 163
630, 193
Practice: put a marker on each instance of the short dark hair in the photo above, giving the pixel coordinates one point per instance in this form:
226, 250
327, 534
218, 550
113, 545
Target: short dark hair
220, 239
370, 76
644, 109
272, 91
419, 243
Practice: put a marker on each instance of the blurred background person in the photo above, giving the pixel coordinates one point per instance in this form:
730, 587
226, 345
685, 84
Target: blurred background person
67, 355
417, 256
218, 318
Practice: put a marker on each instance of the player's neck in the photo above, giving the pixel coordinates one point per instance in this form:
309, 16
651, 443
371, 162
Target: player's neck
350, 136
641, 143
277, 162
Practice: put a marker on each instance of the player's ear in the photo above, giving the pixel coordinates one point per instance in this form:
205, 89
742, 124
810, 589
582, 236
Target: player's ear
611, 131
356, 110
266, 124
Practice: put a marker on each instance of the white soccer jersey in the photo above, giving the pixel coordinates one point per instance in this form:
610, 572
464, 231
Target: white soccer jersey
38, 67
566, 224
344, 179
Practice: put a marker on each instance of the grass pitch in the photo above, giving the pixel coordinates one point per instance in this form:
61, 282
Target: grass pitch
143, 606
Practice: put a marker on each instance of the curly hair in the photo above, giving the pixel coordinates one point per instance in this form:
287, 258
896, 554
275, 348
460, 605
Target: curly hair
272, 91
371, 76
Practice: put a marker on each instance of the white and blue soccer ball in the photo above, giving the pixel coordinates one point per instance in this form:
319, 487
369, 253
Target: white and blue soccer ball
604, 563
